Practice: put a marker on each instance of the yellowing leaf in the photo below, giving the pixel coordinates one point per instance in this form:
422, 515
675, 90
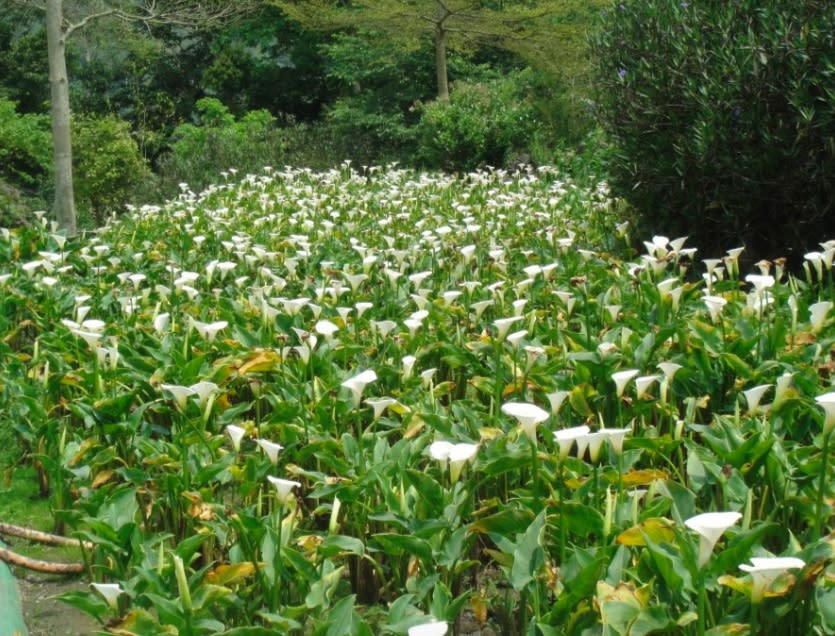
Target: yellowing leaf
739, 585
658, 529
414, 428
488, 433
86, 445
102, 478
261, 361
643, 477
230, 574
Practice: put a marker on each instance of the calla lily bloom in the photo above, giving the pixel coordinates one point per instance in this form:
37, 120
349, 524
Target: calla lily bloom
271, 449
710, 526
621, 379
283, 488
528, 416
669, 369
503, 325
440, 450
408, 363
616, 437
781, 388
556, 400
110, 592
209, 330
161, 323
714, 304
764, 571
565, 439
643, 384
459, 454
435, 628
326, 328
357, 384
203, 390
753, 396
379, 405
760, 282
236, 434
180, 393
827, 403
817, 314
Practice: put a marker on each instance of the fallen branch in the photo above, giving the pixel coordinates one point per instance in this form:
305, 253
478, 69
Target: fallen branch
42, 537
40, 566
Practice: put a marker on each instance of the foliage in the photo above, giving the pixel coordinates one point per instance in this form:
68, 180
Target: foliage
723, 118
23, 65
481, 125
218, 142
25, 148
107, 164
413, 342
268, 62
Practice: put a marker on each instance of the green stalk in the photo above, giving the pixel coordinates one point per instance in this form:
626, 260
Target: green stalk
822, 486
700, 626
277, 563
534, 466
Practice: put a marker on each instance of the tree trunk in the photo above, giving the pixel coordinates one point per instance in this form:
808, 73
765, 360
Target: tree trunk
440, 63
60, 98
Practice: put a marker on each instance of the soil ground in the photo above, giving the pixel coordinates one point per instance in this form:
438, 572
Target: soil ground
44, 616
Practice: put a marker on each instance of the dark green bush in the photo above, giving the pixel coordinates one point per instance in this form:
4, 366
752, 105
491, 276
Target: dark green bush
25, 146
107, 165
722, 117
218, 142
481, 124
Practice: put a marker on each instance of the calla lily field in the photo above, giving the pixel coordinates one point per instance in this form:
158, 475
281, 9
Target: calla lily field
379, 401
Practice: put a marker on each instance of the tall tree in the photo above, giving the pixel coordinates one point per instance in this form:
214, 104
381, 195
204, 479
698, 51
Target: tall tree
528, 28
62, 21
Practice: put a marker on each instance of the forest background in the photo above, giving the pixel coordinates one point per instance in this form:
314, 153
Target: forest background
156, 108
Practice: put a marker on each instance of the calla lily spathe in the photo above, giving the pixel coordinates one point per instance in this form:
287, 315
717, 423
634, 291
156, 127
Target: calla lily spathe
357, 384
283, 488
710, 526
110, 592
271, 449
764, 571
434, 628
528, 416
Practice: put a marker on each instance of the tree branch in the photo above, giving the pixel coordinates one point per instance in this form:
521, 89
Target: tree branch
185, 13
40, 566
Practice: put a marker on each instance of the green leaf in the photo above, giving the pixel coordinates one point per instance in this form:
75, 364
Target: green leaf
340, 617
398, 544
88, 602
339, 543
529, 556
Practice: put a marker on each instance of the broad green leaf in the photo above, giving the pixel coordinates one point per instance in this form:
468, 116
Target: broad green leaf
405, 544
88, 602
529, 556
340, 617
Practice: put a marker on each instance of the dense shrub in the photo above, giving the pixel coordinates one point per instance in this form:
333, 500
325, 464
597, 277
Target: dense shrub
107, 164
722, 115
481, 124
218, 142
25, 146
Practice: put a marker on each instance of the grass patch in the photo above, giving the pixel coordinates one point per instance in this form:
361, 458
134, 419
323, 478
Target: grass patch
21, 505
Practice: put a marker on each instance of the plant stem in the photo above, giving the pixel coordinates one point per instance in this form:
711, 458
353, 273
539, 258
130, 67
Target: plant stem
700, 626
822, 486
